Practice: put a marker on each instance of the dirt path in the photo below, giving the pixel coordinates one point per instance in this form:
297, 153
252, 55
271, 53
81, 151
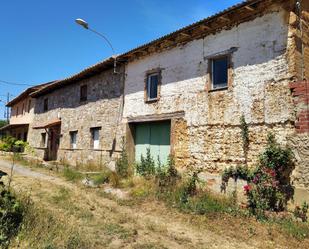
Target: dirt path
21, 170
110, 224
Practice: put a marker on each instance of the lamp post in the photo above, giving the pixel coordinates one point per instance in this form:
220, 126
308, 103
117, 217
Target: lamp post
85, 25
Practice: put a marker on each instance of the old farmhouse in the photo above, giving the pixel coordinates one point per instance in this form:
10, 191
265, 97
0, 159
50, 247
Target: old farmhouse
185, 94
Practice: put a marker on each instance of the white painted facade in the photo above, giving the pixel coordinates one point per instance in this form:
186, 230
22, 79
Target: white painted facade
260, 58
259, 90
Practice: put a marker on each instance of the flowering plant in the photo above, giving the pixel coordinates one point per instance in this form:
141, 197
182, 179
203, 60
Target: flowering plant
269, 187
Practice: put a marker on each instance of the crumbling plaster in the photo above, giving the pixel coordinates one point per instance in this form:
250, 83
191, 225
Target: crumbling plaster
259, 91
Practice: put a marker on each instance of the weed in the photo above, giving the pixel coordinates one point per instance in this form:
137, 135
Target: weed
167, 177
117, 230
301, 212
71, 174
11, 215
146, 167
101, 178
122, 164
63, 195
297, 230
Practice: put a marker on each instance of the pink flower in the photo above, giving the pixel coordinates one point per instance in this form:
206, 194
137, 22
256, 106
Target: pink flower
247, 188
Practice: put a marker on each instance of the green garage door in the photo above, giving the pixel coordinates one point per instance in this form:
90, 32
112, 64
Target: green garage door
156, 137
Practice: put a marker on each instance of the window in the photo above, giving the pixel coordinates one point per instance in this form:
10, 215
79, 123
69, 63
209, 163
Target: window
152, 86
73, 139
95, 137
219, 72
29, 105
17, 111
83, 93
43, 140
45, 107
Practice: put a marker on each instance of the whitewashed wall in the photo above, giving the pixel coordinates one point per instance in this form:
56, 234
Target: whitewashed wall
259, 90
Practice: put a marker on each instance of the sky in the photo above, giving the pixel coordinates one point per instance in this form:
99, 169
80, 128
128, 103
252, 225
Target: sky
40, 42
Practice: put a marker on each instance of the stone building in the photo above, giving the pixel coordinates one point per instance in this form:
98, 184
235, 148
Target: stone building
76, 118
22, 113
185, 93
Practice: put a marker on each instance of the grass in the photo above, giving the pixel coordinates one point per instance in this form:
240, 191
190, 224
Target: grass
63, 195
71, 174
114, 229
44, 228
89, 218
297, 230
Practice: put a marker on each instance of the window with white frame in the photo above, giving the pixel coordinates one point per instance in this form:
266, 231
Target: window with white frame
73, 139
152, 86
95, 137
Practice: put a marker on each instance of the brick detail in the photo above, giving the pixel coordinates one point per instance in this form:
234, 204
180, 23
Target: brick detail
300, 93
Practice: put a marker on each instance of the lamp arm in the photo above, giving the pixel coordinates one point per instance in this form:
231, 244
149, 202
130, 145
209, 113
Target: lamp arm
104, 37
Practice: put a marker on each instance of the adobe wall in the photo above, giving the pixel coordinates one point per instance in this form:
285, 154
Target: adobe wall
209, 135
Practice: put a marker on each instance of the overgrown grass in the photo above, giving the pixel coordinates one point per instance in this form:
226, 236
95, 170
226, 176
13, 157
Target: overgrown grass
114, 229
295, 229
61, 196
47, 229
71, 174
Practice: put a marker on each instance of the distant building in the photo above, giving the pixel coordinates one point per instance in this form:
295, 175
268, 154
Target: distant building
22, 113
78, 119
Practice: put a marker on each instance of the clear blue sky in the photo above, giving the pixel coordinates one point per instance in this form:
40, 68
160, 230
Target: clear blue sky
40, 42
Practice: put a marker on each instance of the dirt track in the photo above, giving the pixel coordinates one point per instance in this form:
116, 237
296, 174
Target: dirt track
150, 225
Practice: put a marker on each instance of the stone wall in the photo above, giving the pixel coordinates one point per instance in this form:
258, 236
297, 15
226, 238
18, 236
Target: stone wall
209, 135
102, 109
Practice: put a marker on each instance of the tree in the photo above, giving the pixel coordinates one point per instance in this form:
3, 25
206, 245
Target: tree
3, 123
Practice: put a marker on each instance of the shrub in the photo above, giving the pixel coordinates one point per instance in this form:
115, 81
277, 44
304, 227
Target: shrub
189, 188
9, 143
301, 212
11, 215
71, 175
167, 176
147, 166
122, 164
101, 178
269, 187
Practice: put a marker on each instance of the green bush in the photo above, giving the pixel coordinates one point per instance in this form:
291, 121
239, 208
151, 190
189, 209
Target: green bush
146, 167
11, 216
122, 164
167, 176
185, 197
9, 143
101, 178
301, 212
269, 185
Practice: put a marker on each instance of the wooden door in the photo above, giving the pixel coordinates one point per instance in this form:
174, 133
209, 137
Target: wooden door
53, 142
154, 136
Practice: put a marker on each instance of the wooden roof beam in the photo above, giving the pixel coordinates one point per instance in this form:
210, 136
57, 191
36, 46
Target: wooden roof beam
185, 34
250, 8
224, 18
205, 27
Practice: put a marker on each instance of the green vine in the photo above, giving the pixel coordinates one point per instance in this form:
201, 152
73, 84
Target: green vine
239, 172
244, 134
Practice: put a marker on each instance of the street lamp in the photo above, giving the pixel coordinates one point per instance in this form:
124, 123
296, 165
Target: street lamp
85, 25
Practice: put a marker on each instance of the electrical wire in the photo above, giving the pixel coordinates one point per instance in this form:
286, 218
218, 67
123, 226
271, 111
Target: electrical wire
14, 83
